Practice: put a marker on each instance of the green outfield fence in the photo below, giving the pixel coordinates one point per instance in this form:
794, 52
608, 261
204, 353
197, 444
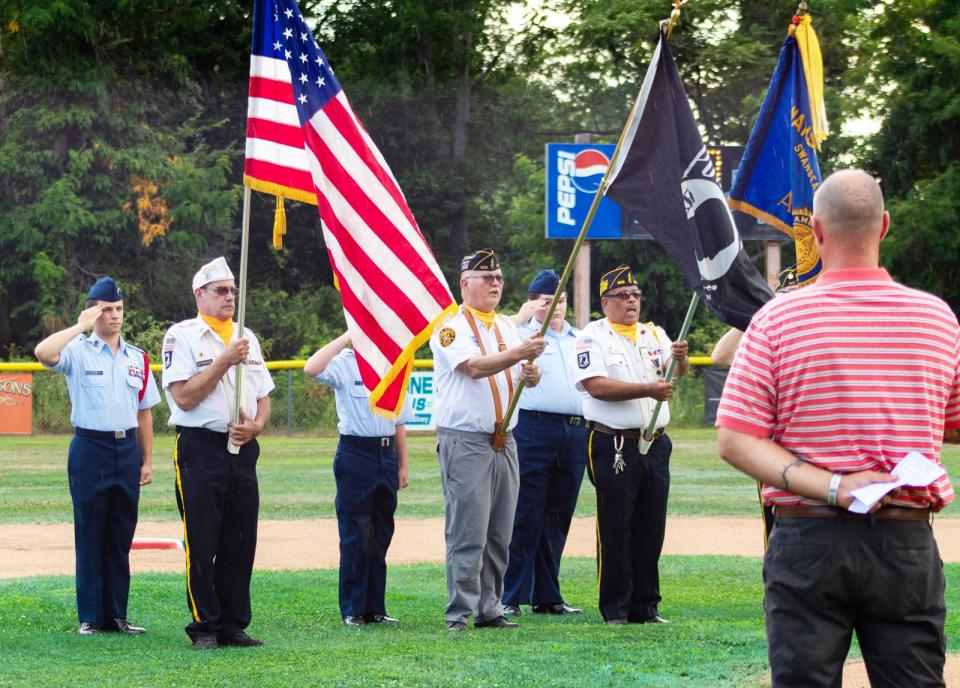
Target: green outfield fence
300, 405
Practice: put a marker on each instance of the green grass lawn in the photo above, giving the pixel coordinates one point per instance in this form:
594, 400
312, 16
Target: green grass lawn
716, 638
296, 479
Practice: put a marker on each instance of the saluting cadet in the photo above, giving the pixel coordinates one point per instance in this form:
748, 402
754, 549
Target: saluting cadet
217, 491
621, 366
111, 394
369, 467
478, 359
552, 449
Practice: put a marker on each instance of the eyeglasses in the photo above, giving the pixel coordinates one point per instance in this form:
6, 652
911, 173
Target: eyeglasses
488, 279
222, 291
625, 296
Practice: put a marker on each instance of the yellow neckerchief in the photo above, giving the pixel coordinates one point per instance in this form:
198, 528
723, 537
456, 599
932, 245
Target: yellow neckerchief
223, 328
629, 331
485, 318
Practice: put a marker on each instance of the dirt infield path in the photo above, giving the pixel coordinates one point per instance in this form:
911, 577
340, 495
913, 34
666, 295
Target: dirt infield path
31, 550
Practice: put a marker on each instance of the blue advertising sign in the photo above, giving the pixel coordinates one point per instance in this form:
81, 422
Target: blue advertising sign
575, 171
420, 393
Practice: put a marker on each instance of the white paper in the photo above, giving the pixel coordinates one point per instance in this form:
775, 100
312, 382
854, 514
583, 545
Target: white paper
914, 470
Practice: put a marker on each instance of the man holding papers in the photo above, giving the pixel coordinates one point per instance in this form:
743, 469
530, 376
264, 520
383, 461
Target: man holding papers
833, 386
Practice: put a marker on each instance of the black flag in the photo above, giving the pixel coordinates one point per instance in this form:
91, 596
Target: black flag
664, 181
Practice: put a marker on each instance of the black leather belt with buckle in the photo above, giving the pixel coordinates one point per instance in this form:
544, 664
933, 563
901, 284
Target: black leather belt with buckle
631, 433
576, 421
106, 434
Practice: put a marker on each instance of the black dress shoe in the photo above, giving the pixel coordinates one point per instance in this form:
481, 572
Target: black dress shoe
380, 618
205, 641
655, 619
456, 626
354, 620
122, 626
495, 622
89, 628
512, 610
238, 639
558, 608
616, 622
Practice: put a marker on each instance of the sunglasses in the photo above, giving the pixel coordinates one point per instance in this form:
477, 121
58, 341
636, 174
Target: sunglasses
625, 296
222, 291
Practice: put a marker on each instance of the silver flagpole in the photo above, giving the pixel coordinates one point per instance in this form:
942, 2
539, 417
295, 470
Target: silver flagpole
241, 313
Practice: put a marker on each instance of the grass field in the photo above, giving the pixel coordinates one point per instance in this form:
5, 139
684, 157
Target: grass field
716, 638
296, 479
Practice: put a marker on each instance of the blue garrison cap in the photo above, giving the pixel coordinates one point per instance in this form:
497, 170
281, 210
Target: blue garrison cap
545, 282
105, 289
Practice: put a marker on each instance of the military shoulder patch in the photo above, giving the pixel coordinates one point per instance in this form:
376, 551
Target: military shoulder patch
447, 335
583, 359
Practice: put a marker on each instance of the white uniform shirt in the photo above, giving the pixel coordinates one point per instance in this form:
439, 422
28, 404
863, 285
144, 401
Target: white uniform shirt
188, 348
463, 403
602, 352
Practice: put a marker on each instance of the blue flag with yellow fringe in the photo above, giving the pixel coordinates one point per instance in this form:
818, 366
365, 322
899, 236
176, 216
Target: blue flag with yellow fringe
779, 171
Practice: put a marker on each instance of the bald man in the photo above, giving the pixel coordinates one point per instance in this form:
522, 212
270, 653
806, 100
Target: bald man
833, 385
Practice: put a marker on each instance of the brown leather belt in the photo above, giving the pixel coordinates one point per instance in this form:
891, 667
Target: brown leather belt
633, 434
887, 513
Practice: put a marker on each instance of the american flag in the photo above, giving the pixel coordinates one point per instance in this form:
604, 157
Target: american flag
305, 142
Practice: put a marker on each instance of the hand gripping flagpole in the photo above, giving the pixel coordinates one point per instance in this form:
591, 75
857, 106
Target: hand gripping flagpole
691, 309
241, 315
568, 269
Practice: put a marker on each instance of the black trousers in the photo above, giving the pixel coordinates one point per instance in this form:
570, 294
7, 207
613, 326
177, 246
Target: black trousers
105, 488
825, 578
219, 499
551, 456
631, 521
366, 475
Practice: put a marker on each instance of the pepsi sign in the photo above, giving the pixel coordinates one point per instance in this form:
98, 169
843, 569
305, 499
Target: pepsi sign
574, 173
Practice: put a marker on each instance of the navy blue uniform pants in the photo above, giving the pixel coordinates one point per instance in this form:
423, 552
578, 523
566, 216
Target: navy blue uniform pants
365, 470
552, 455
104, 479
631, 521
219, 500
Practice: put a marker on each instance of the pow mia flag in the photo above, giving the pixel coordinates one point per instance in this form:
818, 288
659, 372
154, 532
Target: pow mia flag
664, 180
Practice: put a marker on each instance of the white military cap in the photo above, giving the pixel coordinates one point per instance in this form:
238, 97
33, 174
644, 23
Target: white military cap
214, 271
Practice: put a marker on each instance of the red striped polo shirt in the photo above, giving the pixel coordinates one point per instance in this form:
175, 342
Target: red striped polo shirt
850, 374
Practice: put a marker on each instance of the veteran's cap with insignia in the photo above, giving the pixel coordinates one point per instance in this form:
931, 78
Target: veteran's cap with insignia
105, 289
214, 271
620, 276
484, 260
544, 282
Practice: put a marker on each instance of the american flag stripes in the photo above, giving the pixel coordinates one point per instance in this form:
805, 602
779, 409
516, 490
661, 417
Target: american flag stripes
305, 142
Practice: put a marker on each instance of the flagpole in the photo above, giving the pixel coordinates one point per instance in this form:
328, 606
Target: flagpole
241, 313
691, 309
571, 261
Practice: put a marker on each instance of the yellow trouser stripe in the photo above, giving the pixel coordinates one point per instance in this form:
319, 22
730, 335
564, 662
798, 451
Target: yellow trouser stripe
186, 542
599, 546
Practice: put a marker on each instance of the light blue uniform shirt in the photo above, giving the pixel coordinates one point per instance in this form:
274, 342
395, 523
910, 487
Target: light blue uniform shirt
557, 392
353, 401
105, 389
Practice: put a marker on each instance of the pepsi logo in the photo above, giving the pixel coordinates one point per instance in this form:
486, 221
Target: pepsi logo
589, 167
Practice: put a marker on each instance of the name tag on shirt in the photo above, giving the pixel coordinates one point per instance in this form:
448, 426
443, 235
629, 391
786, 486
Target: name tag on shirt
93, 372
204, 363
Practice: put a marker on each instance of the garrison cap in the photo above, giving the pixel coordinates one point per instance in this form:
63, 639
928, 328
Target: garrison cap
484, 260
105, 289
216, 270
545, 282
620, 276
